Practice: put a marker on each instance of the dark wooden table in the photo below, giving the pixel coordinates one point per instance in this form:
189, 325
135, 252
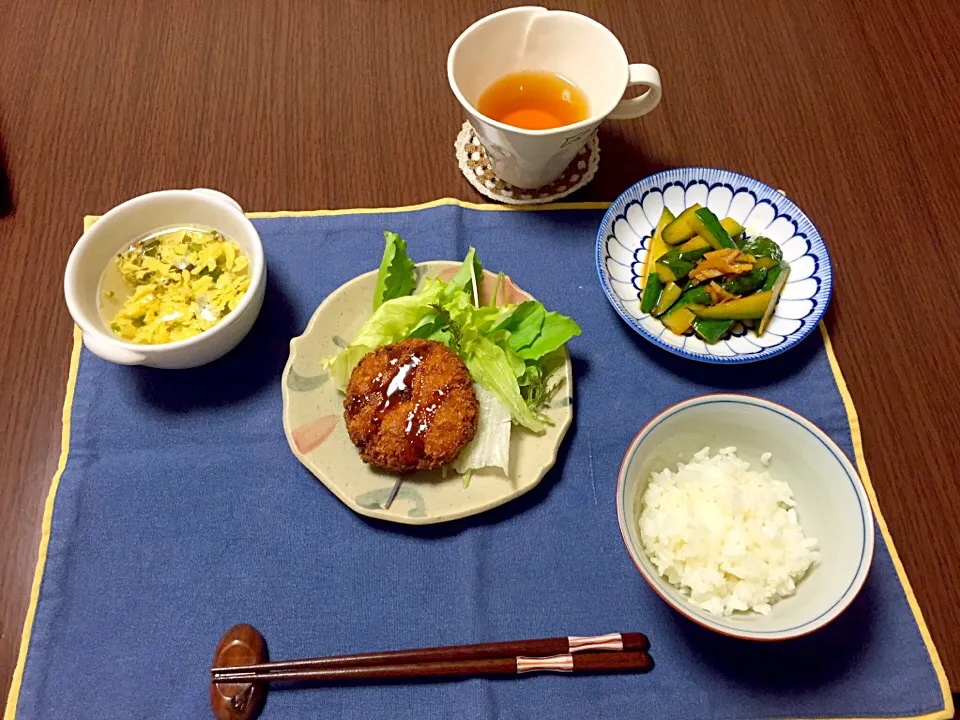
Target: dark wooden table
850, 107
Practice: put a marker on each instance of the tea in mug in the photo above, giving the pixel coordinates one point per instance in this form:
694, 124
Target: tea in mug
534, 100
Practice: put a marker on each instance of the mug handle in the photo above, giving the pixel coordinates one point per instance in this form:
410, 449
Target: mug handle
635, 107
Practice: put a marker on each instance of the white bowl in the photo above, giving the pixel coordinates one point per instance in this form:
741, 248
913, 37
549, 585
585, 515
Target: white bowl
831, 504
135, 219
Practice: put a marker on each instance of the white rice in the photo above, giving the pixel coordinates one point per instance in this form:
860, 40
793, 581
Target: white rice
726, 536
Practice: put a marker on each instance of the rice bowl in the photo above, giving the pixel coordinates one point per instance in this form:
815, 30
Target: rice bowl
831, 505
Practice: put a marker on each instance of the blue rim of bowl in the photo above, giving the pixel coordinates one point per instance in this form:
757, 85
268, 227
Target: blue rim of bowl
726, 177
868, 544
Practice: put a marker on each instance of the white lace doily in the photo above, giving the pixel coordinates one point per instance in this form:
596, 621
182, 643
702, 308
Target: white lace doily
476, 168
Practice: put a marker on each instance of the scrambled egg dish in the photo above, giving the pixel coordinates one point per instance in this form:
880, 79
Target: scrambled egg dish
181, 283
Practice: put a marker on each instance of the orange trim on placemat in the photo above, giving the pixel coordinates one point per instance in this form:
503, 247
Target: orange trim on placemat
47, 522
852, 419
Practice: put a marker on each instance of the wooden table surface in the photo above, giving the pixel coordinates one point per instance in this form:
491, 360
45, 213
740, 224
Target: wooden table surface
850, 107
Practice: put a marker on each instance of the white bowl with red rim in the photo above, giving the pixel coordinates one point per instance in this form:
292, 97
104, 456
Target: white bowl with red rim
832, 505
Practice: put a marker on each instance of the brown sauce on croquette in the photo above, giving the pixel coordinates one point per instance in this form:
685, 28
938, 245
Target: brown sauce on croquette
409, 385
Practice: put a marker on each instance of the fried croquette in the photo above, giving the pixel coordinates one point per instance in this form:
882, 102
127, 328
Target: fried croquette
411, 406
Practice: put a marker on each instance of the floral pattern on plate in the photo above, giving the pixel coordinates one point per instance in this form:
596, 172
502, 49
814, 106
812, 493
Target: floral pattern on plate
624, 239
313, 412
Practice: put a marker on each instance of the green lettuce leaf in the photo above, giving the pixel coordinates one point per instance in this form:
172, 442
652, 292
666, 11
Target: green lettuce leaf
394, 319
392, 322
532, 374
433, 327
469, 275
491, 368
524, 324
510, 350
472, 321
397, 275
341, 365
557, 329
535, 385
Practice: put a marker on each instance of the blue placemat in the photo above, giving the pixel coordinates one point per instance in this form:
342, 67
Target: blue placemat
181, 511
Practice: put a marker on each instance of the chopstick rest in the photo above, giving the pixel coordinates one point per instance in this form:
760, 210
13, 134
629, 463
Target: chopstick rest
240, 671
240, 645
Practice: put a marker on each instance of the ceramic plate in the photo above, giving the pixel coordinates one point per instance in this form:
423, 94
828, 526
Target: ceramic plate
313, 423
627, 227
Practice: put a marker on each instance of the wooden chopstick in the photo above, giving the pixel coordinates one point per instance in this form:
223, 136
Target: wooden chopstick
597, 662
531, 648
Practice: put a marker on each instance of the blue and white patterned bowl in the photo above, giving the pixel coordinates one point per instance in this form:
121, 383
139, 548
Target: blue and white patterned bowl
624, 239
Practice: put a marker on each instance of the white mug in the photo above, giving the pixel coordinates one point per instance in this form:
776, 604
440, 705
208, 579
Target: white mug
533, 38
